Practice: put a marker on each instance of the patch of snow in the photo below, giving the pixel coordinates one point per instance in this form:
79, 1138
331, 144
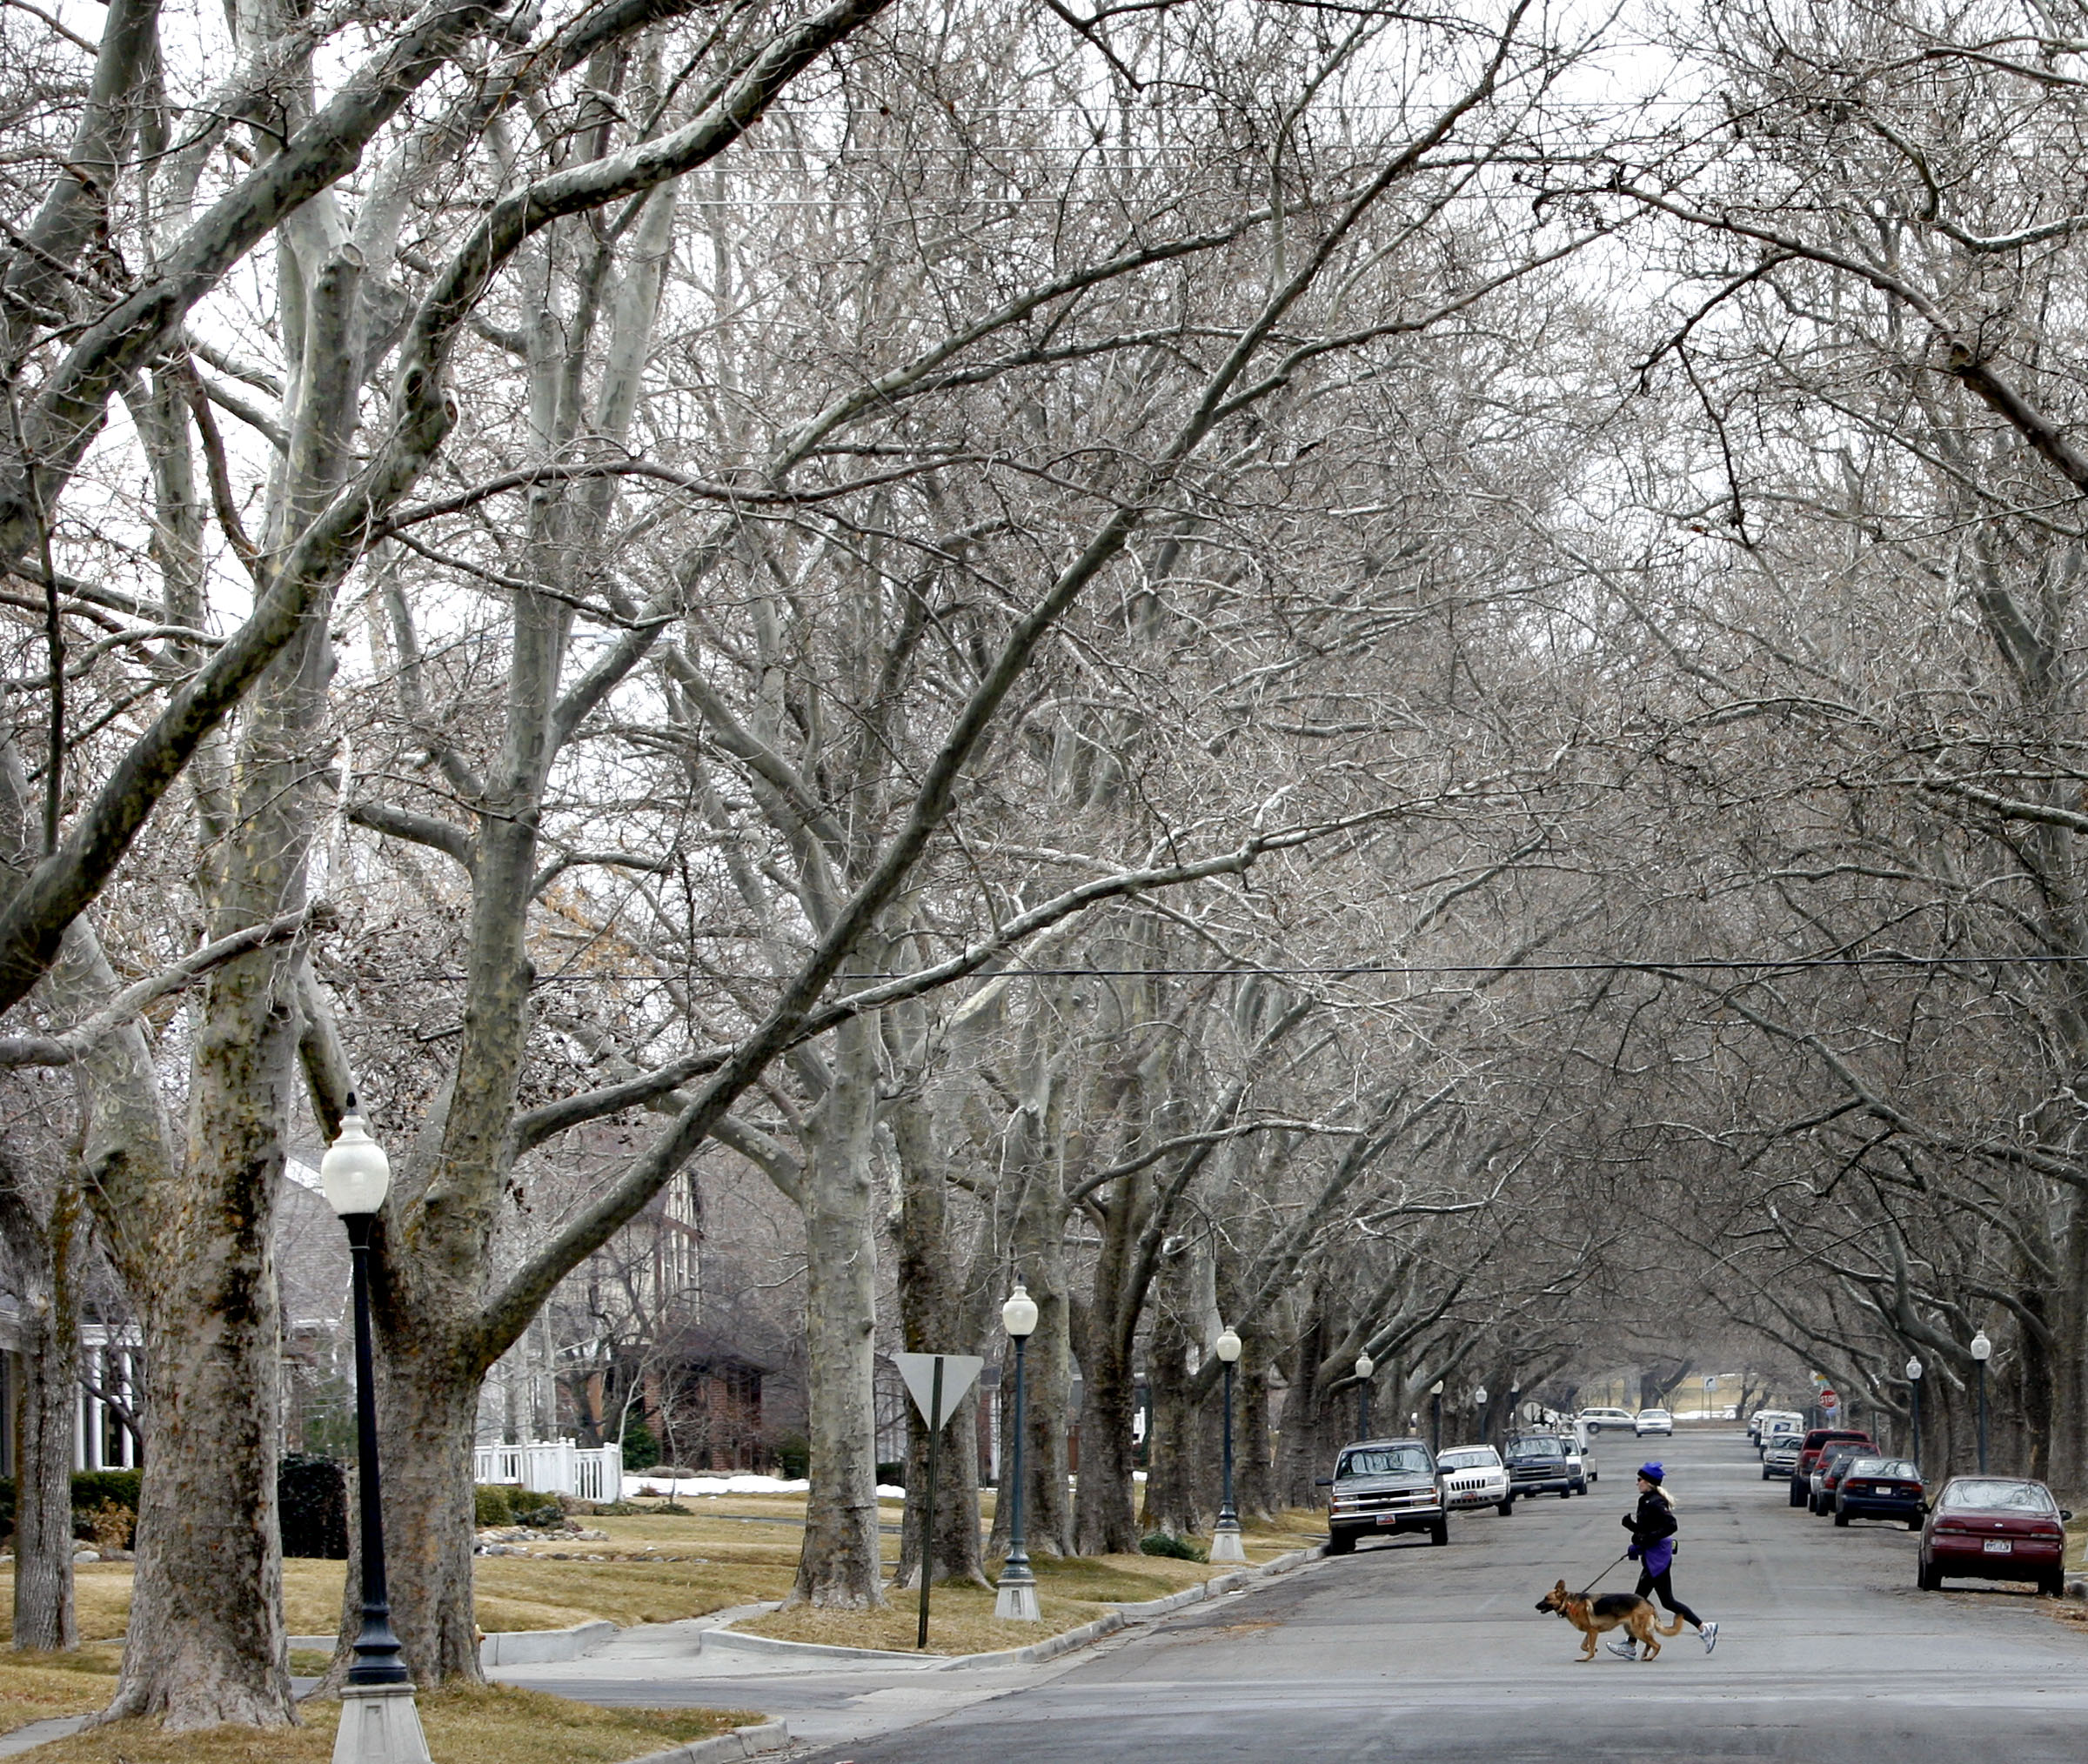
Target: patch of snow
637, 1483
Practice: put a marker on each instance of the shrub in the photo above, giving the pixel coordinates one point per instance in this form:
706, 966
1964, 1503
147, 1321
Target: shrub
641, 1449
893, 1474
544, 1512
312, 1495
794, 1455
107, 1526
1184, 1549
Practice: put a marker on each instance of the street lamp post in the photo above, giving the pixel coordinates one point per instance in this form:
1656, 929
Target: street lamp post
1436, 1413
1981, 1349
1479, 1411
1364, 1367
1226, 1546
1016, 1597
379, 1724
1515, 1414
1914, 1404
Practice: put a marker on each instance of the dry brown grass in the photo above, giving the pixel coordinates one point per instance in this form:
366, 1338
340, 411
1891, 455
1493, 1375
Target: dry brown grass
35, 1686
101, 1596
1071, 1591
492, 1724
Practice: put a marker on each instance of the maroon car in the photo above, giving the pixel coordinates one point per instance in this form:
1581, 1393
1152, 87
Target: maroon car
1994, 1529
1816, 1441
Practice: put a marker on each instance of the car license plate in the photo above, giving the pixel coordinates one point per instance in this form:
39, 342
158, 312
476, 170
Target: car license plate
1393, 1518
1999, 1546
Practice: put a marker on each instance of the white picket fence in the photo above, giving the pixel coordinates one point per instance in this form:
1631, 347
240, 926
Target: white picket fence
554, 1467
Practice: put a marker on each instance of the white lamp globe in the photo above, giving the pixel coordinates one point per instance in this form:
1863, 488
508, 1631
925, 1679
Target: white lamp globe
1018, 1315
1436, 1389
1479, 1398
1914, 1369
355, 1174
1981, 1346
1227, 1347
1364, 1366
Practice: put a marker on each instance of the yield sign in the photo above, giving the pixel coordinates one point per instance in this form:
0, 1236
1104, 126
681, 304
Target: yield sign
959, 1372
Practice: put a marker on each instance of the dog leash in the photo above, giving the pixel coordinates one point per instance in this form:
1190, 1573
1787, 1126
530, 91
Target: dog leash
1598, 1579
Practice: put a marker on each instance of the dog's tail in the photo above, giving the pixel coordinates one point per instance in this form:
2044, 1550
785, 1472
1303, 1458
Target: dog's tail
1674, 1628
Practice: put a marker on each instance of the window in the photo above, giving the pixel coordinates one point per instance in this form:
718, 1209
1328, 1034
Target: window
1471, 1458
1387, 1460
1984, 1494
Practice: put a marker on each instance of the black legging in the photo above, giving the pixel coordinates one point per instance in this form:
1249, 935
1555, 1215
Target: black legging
1649, 1583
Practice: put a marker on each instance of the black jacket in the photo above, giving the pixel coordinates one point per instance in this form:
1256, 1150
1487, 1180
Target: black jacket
1654, 1520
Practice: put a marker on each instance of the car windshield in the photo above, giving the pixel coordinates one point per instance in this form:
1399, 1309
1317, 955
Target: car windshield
1788, 1444
1987, 1494
1385, 1461
1534, 1448
1883, 1466
1472, 1457
1653, 1414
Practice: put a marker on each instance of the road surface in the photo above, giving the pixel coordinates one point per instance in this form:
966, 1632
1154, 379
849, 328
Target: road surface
1407, 1650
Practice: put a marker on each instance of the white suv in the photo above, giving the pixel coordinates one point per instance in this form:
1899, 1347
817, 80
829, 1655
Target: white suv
1474, 1476
1653, 1421
1595, 1420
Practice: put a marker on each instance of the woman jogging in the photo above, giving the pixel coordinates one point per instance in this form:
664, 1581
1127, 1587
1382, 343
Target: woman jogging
1652, 1528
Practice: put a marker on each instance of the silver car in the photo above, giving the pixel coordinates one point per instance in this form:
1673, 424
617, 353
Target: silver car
1780, 1455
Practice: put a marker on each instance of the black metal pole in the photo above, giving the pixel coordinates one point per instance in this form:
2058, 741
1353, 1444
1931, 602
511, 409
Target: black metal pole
1914, 1399
1228, 1520
1017, 1565
376, 1660
1362, 1409
1436, 1419
927, 1512
1982, 1417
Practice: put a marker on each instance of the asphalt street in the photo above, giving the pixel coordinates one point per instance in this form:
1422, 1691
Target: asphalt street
1407, 1650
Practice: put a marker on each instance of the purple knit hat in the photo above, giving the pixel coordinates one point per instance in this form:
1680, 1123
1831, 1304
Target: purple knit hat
1653, 1473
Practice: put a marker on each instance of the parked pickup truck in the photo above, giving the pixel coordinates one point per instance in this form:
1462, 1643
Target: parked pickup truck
1537, 1463
1381, 1489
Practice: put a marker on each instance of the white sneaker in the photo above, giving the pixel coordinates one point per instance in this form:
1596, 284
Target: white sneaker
1623, 1650
1710, 1631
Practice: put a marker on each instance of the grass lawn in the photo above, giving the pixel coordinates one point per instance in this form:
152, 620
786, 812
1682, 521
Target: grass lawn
492, 1724
34, 1687
1071, 1591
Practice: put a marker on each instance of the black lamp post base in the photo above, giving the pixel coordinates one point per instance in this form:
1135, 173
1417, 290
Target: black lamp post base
379, 1725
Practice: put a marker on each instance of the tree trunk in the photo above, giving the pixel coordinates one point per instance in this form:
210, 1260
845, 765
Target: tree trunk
1253, 1473
48, 1276
1172, 1503
1106, 1515
841, 1567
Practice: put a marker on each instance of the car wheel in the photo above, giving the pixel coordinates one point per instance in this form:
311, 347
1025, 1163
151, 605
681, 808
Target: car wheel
1340, 1543
1913, 1525
1566, 1493
1581, 1487
1840, 1518
1927, 1577
1766, 1477
1440, 1532
1507, 1507
1798, 1494
2054, 1586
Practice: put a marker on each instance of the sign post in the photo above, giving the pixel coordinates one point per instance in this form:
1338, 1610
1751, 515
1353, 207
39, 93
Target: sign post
937, 1382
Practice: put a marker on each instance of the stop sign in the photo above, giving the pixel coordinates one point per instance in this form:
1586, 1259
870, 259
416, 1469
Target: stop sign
1829, 1401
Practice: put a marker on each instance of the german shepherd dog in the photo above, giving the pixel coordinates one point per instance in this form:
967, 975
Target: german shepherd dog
1593, 1617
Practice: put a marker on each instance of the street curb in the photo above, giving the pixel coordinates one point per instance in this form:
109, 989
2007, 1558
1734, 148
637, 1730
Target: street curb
512, 1646
741, 1742
1119, 1617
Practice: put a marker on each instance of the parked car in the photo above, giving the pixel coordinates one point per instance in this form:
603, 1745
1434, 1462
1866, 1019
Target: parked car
1580, 1462
1537, 1465
1875, 1488
1801, 1473
1595, 1420
1994, 1529
1382, 1487
1828, 1471
1653, 1421
1780, 1455
1474, 1476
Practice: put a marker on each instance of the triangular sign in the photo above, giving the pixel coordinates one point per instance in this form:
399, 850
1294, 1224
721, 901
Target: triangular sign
960, 1373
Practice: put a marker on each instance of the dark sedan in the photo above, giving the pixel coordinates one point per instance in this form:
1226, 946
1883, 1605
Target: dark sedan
1994, 1529
1875, 1488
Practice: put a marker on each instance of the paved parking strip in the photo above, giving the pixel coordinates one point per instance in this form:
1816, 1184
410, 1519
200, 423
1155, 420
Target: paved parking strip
1407, 1650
